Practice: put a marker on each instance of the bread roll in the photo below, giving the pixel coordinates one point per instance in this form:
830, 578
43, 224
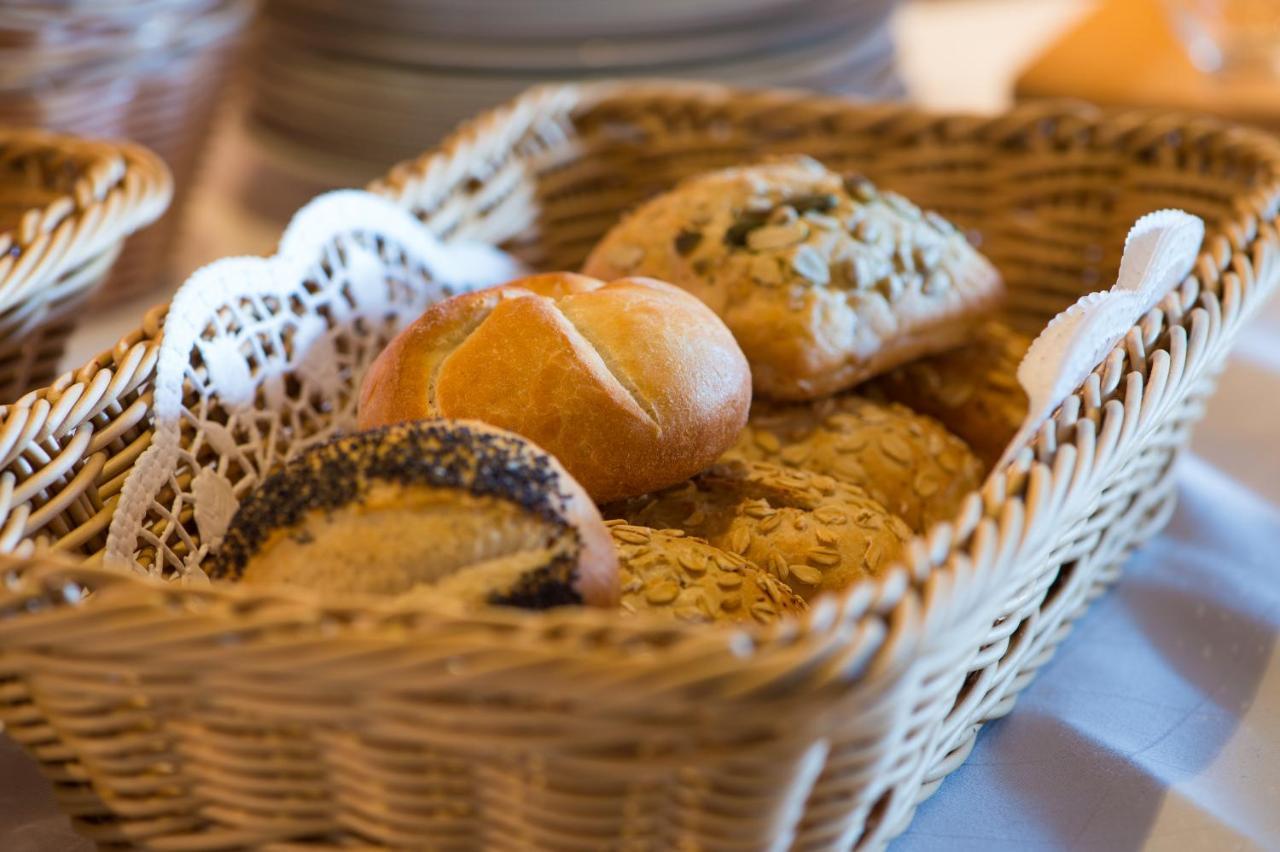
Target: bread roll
634, 385
825, 281
907, 462
812, 532
466, 510
973, 390
681, 577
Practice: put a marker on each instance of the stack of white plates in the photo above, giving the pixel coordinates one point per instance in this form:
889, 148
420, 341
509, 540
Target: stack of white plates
342, 90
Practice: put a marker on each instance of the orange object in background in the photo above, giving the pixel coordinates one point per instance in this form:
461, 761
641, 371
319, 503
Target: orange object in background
1133, 53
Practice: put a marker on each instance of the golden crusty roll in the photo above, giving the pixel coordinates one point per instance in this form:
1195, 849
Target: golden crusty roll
685, 578
458, 509
907, 462
812, 532
634, 385
973, 390
824, 279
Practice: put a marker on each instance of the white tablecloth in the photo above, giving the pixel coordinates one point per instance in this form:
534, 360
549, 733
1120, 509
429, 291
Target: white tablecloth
1157, 725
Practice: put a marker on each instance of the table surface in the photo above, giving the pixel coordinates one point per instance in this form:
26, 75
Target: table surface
1157, 725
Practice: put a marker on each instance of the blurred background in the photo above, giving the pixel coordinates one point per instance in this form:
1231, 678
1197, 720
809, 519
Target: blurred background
257, 106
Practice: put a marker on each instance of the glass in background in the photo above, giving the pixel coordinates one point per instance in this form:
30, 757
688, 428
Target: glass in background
1230, 36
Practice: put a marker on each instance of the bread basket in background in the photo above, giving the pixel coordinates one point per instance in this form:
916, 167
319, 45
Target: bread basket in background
66, 206
151, 71
181, 716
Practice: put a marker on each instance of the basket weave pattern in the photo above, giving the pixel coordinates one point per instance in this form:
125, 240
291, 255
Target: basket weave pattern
66, 205
182, 717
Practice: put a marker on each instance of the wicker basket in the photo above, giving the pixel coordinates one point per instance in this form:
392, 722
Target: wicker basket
180, 717
66, 205
147, 70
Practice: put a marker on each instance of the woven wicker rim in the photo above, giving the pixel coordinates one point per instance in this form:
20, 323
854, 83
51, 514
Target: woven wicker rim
871, 627
118, 188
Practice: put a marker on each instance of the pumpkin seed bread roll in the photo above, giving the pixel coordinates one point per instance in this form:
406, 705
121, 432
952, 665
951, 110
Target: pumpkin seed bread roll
905, 461
455, 509
685, 578
824, 280
633, 385
973, 390
812, 532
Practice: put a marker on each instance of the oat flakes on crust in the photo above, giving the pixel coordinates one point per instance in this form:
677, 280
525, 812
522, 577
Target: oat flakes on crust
685, 578
907, 462
973, 389
812, 532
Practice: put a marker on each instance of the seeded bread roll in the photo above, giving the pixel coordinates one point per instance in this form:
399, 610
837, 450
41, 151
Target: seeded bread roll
907, 462
812, 532
685, 578
463, 510
973, 390
632, 385
825, 281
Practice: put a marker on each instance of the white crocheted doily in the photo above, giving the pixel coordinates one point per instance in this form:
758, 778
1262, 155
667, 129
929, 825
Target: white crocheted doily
262, 357
1159, 253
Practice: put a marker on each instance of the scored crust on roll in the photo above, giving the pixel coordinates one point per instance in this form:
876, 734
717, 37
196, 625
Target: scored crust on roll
460, 509
682, 577
633, 385
812, 532
907, 462
824, 280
